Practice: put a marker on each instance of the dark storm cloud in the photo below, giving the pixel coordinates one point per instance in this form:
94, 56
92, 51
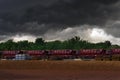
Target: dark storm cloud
71, 12
16, 5
37, 17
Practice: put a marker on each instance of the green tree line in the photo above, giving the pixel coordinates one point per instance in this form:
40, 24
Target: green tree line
40, 44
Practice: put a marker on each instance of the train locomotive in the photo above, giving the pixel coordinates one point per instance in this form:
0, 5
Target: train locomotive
83, 54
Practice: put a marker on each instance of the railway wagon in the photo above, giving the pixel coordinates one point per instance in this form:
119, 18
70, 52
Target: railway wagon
36, 54
115, 54
90, 53
8, 54
63, 54
115, 51
40, 54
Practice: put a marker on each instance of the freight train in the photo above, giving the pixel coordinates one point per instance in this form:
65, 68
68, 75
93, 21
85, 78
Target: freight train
83, 54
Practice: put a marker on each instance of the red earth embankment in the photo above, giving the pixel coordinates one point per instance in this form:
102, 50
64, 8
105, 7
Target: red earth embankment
59, 70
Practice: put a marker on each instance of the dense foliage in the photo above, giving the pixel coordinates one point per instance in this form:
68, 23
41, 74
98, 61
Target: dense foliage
40, 44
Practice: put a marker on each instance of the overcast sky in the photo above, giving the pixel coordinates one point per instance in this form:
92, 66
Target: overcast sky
92, 20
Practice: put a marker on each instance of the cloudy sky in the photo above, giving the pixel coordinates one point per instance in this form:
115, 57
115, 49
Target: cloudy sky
92, 20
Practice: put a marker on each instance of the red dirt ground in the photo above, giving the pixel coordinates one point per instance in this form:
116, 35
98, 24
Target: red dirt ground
60, 70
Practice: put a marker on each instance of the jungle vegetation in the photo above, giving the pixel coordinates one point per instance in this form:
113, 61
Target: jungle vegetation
75, 43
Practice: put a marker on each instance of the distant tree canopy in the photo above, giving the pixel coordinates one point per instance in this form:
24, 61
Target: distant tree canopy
39, 41
40, 44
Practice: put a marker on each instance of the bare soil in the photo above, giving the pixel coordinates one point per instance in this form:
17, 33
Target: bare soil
59, 70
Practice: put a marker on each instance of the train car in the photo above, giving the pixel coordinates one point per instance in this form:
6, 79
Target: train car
64, 54
91, 54
8, 54
115, 54
115, 51
35, 54
60, 54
